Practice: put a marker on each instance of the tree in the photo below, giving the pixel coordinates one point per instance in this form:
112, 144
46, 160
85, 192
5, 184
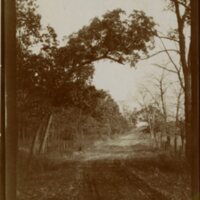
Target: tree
130, 115
110, 38
28, 24
150, 112
35, 72
185, 60
179, 118
155, 119
56, 77
54, 70
160, 93
107, 112
182, 11
162, 87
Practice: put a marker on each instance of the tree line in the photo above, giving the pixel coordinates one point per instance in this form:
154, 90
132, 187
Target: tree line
50, 76
51, 79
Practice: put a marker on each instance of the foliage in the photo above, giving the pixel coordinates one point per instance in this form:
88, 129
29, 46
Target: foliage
32, 69
110, 37
154, 116
52, 78
28, 23
148, 113
62, 69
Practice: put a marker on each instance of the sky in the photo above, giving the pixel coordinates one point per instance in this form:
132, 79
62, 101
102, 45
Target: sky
122, 82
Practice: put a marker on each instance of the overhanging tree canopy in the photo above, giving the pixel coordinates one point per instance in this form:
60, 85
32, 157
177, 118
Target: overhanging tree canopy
115, 36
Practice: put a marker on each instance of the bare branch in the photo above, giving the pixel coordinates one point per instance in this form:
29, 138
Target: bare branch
153, 96
178, 104
181, 80
169, 38
114, 59
176, 67
184, 5
101, 58
162, 51
167, 52
164, 68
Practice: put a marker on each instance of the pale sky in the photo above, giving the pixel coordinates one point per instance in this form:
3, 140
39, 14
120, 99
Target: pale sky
68, 16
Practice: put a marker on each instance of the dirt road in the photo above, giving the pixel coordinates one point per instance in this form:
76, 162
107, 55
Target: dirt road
102, 172
129, 145
104, 175
112, 181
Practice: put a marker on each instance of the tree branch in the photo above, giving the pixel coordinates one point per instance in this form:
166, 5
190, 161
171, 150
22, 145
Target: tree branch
169, 70
101, 58
181, 80
167, 52
155, 99
184, 5
182, 44
114, 59
176, 67
168, 38
162, 51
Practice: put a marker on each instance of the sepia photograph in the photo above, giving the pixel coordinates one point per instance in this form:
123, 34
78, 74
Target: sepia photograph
101, 100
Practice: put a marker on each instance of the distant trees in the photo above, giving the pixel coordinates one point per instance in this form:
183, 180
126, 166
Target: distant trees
153, 116
161, 106
107, 111
180, 36
151, 113
130, 116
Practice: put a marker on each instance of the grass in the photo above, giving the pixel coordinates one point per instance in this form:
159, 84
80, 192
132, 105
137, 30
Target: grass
169, 175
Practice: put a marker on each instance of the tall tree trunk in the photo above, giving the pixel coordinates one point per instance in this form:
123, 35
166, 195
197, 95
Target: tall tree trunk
8, 114
164, 110
46, 134
186, 66
195, 97
178, 127
188, 120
